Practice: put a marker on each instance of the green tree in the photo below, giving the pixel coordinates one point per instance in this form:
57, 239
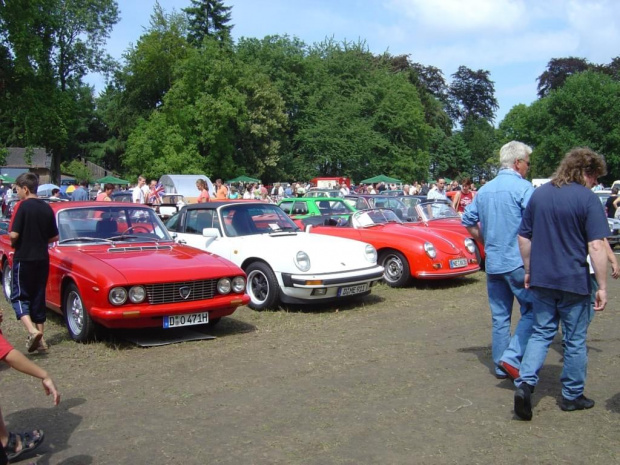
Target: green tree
479, 136
360, 118
208, 18
450, 155
471, 95
78, 169
583, 112
53, 44
219, 115
558, 70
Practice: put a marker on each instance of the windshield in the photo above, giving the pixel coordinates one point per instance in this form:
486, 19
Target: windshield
369, 218
436, 210
90, 224
245, 220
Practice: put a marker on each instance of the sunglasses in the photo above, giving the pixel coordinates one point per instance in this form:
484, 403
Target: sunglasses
527, 162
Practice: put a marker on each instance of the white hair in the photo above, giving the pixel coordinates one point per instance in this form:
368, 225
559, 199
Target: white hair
513, 151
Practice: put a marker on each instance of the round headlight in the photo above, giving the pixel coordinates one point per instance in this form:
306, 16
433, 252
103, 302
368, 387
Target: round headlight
302, 261
118, 296
137, 294
238, 284
371, 253
430, 249
223, 286
470, 245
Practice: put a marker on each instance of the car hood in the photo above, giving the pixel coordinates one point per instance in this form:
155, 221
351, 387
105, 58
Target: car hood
327, 253
446, 241
155, 264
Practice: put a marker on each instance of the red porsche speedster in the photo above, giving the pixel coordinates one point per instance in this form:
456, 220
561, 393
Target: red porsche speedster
403, 251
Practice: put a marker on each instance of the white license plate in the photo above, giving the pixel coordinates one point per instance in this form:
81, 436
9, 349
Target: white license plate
191, 319
351, 290
458, 263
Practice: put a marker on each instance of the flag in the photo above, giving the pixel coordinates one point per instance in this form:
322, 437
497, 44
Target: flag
157, 193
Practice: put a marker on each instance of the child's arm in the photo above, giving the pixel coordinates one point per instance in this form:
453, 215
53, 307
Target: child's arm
20, 362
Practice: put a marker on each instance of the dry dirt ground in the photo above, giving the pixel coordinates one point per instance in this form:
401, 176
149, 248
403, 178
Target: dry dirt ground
400, 377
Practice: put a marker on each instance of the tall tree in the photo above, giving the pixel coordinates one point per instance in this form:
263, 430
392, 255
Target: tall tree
558, 70
54, 44
208, 18
583, 112
471, 95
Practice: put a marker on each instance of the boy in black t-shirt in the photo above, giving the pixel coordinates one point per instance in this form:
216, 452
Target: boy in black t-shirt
32, 228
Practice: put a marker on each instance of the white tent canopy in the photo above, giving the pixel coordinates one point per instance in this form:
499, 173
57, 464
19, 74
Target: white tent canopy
184, 184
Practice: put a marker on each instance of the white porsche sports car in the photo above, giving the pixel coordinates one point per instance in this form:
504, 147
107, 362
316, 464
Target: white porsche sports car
283, 263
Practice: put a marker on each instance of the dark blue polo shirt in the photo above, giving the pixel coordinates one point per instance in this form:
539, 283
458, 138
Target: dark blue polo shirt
560, 221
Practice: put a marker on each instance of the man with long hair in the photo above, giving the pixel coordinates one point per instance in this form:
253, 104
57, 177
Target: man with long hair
562, 224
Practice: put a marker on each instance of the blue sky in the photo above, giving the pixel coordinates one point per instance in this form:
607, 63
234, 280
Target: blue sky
513, 39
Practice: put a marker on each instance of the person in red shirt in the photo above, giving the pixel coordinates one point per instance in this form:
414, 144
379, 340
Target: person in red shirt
13, 445
463, 197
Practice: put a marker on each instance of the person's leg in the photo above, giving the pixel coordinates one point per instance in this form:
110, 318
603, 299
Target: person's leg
545, 327
38, 272
523, 331
500, 302
20, 300
575, 313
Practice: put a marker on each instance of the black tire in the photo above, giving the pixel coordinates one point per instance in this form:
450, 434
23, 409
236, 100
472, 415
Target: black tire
262, 286
397, 272
79, 324
7, 278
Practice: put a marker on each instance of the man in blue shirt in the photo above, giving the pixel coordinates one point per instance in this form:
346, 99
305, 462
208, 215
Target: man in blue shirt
563, 223
494, 217
81, 193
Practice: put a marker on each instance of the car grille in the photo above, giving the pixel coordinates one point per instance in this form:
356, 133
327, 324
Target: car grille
166, 293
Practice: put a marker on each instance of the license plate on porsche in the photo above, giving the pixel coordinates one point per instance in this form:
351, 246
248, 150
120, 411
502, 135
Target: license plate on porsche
191, 319
352, 290
458, 263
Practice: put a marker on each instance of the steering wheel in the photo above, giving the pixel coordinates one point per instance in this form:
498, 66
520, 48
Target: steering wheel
136, 228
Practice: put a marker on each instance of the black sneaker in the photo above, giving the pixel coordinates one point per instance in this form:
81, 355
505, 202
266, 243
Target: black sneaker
580, 403
523, 402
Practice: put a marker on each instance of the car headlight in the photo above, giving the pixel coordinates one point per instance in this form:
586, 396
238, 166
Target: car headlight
137, 294
224, 286
371, 253
430, 249
470, 245
238, 284
117, 296
302, 261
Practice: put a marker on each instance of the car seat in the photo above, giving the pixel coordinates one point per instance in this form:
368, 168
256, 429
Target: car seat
106, 227
240, 224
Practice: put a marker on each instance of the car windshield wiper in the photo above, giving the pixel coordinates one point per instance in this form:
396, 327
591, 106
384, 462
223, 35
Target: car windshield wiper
84, 239
123, 237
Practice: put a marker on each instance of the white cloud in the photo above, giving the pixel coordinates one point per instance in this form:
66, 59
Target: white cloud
453, 17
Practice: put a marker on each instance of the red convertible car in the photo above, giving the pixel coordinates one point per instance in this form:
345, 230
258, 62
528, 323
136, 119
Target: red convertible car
116, 266
403, 251
439, 215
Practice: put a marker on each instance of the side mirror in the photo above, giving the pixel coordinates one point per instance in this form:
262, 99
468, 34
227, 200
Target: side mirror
211, 232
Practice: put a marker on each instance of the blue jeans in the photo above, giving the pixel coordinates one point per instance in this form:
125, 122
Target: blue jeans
573, 310
502, 290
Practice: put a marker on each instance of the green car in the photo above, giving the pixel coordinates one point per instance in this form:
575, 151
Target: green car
302, 207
